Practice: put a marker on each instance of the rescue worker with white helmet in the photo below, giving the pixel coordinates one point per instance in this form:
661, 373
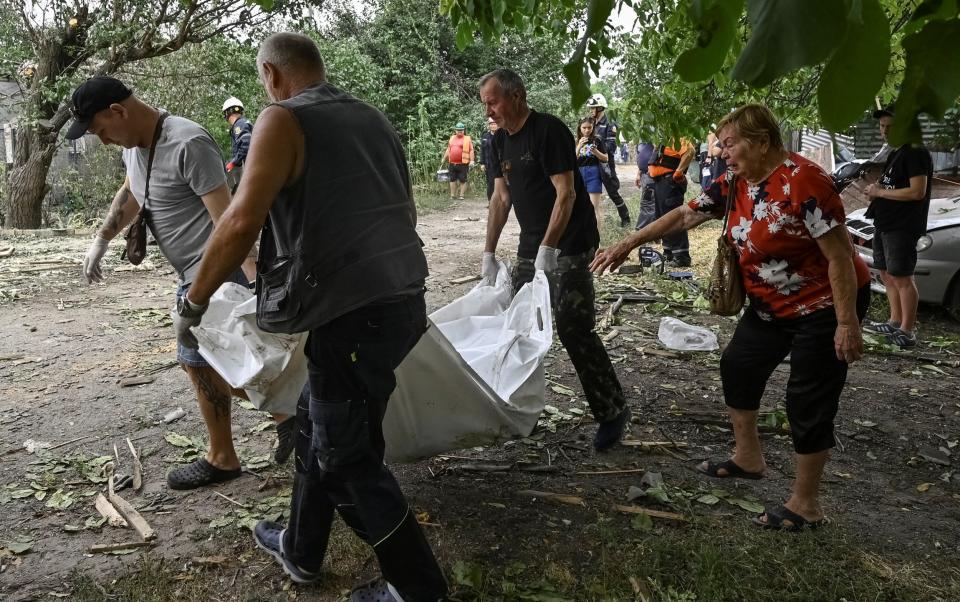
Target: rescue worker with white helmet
606, 131
240, 132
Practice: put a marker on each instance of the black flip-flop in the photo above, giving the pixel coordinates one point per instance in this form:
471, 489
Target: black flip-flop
733, 471
782, 518
199, 473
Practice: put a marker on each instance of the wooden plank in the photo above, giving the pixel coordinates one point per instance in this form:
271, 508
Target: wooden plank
466, 279
560, 498
107, 511
624, 471
649, 444
649, 512
103, 548
136, 380
132, 517
137, 466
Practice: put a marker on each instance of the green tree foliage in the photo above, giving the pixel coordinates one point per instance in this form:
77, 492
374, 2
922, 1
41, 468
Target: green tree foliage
843, 48
51, 46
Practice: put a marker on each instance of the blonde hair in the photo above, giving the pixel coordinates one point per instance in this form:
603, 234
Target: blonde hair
756, 123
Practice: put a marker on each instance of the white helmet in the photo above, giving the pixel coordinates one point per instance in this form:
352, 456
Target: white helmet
232, 103
598, 101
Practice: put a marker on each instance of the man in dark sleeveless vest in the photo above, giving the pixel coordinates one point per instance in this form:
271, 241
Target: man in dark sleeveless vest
340, 258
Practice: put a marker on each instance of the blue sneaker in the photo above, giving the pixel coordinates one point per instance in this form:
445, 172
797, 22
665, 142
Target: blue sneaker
269, 538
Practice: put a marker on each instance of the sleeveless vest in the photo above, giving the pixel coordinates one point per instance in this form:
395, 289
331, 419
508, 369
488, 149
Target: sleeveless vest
343, 235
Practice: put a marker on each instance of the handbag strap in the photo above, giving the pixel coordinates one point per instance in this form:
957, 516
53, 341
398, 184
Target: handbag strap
153, 151
731, 197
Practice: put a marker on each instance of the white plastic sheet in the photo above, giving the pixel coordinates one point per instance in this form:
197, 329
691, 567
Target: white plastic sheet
271, 368
475, 377
677, 334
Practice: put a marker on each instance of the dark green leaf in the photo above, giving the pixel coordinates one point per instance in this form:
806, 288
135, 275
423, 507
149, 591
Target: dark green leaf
642, 522
717, 22
856, 70
469, 575
464, 35
264, 4
931, 10
575, 70
786, 35
598, 11
932, 81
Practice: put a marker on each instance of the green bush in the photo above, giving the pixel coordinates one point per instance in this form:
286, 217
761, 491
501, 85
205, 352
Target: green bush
82, 192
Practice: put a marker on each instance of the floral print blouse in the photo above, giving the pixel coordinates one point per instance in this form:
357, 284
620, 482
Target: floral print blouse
774, 225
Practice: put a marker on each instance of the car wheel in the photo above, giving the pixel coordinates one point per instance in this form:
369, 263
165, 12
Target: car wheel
952, 300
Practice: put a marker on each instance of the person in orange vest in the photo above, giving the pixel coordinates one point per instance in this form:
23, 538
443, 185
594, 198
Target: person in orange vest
668, 169
459, 153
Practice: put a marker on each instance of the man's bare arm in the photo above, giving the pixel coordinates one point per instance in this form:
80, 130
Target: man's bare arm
122, 211
216, 201
562, 208
916, 191
497, 215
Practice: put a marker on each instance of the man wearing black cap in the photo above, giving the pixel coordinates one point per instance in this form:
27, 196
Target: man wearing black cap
187, 194
899, 203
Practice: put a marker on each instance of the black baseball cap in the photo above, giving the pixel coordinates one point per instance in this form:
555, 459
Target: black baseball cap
886, 111
91, 97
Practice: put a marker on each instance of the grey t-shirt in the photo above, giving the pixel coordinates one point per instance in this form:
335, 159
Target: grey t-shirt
186, 166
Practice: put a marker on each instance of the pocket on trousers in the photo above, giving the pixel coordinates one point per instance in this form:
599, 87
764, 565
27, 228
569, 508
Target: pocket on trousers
340, 435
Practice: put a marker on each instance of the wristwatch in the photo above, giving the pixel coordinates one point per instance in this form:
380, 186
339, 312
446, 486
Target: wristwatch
187, 309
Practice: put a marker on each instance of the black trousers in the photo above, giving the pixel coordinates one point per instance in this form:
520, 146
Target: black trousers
608, 175
572, 299
648, 207
816, 377
668, 195
340, 447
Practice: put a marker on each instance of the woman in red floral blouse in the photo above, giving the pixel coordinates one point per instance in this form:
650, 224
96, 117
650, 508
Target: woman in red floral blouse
808, 292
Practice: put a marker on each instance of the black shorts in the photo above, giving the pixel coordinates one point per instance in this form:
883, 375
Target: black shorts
816, 375
458, 172
895, 252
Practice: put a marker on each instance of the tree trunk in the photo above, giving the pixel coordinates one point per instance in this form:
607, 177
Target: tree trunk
28, 178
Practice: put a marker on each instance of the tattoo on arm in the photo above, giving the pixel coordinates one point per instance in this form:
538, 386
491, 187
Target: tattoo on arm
211, 389
111, 226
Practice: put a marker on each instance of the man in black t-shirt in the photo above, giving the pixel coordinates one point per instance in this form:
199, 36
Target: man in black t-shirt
487, 155
899, 203
535, 172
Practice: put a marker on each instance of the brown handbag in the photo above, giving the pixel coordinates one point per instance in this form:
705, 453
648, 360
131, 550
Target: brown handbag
725, 291
136, 234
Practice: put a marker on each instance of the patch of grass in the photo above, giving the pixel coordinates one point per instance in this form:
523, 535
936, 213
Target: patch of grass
715, 561
152, 581
156, 579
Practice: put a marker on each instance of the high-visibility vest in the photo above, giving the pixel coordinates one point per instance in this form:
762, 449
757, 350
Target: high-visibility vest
466, 156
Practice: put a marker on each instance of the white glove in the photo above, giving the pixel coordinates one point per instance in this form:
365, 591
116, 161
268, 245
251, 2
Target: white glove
546, 259
91, 263
489, 269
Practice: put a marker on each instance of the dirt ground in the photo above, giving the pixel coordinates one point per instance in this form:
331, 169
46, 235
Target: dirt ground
893, 484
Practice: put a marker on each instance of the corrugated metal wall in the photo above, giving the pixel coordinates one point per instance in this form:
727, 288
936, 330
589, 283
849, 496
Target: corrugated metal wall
867, 142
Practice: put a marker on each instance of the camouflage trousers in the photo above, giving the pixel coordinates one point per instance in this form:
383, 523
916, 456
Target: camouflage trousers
572, 296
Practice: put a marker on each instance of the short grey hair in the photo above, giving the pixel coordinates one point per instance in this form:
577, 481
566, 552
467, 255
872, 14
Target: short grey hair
510, 82
291, 51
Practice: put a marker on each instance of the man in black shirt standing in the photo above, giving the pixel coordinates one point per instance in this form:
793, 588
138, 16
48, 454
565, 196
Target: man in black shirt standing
536, 173
487, 156
899, 203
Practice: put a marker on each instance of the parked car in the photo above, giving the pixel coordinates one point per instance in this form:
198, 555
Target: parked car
938, 253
